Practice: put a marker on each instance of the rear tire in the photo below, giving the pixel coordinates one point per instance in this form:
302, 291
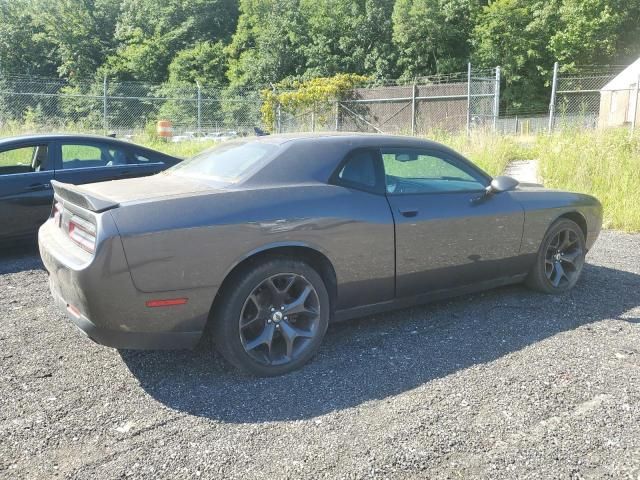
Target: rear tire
560, 258
272, 317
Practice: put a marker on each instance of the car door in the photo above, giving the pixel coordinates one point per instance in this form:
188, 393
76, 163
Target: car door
25, 188
87, 161
448, 232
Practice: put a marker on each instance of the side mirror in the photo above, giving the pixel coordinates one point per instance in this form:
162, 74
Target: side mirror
502, 184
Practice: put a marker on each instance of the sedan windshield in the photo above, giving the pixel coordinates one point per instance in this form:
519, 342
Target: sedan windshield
226, 163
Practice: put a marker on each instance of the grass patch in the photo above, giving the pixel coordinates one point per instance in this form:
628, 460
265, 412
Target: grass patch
490, 152
184, 149
603, 163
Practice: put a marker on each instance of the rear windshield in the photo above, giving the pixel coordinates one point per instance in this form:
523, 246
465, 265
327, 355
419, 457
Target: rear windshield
226, 163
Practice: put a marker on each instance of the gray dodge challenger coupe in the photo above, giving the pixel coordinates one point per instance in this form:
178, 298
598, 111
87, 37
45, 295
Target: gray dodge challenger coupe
266, 240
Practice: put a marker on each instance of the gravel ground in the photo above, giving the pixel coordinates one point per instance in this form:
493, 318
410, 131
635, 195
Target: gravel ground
505, 384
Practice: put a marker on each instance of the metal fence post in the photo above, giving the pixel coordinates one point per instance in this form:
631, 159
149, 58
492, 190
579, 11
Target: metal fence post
105, 124
413, 109
469, 99
634, 120
278, 119
496, 100
552, 103
199, 108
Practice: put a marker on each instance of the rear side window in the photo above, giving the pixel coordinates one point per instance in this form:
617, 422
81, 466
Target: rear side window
360, 171
85, 156
23, 159
227, 163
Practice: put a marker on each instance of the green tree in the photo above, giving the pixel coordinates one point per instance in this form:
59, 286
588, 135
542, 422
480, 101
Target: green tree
515, 34
597, 32
150, 35
266, 45
205, 62
81, 30
24, 45
432, 36
349, 36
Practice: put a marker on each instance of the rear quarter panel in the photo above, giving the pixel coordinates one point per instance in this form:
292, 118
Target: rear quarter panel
195, 241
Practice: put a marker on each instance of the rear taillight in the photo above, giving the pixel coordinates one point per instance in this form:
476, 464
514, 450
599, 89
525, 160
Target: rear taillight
83, 233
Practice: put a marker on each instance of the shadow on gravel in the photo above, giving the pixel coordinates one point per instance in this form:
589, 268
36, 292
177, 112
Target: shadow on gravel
381, 356
18, 258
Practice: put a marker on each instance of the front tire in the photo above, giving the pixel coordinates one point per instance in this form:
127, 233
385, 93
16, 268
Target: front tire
560, 259
272, 317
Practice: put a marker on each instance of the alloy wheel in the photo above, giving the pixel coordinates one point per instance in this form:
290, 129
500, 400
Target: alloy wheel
564, 258
279, 319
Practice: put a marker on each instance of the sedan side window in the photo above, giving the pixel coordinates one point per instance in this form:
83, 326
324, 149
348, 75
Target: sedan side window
23, 159
413, 171
84, 156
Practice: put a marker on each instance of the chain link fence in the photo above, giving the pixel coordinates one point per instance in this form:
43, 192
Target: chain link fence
33, 104
447, 102
454, 102
587, 98
592, 97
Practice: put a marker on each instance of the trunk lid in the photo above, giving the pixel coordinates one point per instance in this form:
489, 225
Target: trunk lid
102, 196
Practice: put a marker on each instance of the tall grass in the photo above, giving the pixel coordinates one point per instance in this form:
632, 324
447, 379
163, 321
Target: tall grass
603, 163
490, 152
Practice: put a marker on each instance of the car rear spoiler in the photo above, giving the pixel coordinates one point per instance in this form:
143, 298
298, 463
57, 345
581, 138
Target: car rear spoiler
78, 196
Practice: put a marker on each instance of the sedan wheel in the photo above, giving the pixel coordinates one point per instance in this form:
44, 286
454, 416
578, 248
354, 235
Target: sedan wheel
560, 258
272, 317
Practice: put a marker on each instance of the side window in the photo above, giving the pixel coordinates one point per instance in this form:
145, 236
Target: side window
414, 171
359, 171
138, 158
23, 159
84, 156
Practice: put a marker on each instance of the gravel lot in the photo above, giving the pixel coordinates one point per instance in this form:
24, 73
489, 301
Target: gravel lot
506, 384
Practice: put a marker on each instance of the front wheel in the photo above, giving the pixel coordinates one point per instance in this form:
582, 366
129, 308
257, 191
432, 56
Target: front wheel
272, 318
560, 258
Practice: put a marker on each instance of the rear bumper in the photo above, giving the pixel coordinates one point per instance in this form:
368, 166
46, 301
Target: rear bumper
123, 339
97, 294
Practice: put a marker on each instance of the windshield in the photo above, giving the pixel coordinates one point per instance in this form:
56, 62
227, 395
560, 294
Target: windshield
226, 163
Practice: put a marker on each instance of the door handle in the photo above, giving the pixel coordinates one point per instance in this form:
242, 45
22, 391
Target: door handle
38, 186
408, 212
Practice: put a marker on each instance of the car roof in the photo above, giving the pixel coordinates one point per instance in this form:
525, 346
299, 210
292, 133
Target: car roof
372, 139
58, 136
313, 157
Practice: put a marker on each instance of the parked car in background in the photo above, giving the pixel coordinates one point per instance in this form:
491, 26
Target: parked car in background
268, 238
29, 163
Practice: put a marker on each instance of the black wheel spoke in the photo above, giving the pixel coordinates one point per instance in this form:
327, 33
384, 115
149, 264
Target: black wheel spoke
571, 257
298, 305
558, 274
265, 338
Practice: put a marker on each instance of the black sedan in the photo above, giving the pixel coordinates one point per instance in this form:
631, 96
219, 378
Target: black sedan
29, 163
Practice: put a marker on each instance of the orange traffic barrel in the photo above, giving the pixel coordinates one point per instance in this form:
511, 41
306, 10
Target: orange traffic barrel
164, 128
